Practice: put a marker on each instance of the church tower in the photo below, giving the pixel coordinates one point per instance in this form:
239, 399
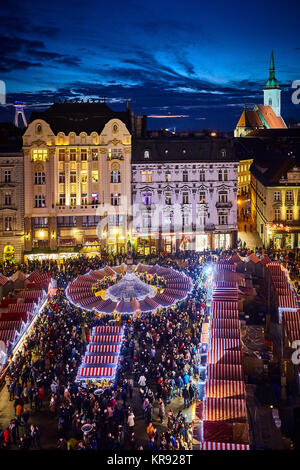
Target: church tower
272, 91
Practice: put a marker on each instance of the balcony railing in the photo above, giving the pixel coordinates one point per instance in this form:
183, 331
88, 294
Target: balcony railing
224, 205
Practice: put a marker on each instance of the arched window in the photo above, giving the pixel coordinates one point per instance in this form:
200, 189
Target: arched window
220, 175
270, 101
61, 138
38, 129
202, 175
146, 154
83, 138
185, 176
225, 175
72, 138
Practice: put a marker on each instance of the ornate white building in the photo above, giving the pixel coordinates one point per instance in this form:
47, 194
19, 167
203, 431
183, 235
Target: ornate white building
184, 194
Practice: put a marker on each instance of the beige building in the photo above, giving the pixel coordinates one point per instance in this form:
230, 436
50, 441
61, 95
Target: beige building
275, 200
11, 199
77, 171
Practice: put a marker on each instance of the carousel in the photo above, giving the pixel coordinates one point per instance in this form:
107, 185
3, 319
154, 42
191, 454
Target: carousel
128, 289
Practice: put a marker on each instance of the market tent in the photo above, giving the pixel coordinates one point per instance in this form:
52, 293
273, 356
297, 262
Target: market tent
223, 446
219, 356
224, 388
225, 372
223, 344
224, 409
224, 323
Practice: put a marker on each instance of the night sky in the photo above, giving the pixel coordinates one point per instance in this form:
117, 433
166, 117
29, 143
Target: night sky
198, 62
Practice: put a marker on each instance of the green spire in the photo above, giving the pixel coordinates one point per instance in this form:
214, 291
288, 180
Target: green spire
272, 81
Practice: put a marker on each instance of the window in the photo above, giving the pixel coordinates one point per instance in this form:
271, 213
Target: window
115, 220
83, 177
185, 176
62, 199
94, 198
168, 176
73, 176
168, 199
146, 221
39, 155
223, 196
146, 154
94, 154
84, 199
185, 198
147, 199
73, 155
146, 176
39, 178
40, 222
225, 175
66, 221
185, 219
115, 199
95, 176
61, 178
223, 219
277, 196
277, 214
289, 215
7, 199
114, 153
61, 155
202, 175
83, 155
202, 197
115, 176
73, 199
39, 200
72, 138
220, 175
90, 220
7, 176
8, 224
289, 196
223, 153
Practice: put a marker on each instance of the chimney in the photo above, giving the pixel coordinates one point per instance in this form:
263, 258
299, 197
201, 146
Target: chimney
127, 104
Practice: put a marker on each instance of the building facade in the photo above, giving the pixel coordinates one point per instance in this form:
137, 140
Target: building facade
184, 194
275, 201
244, 177
11, 195
77, 172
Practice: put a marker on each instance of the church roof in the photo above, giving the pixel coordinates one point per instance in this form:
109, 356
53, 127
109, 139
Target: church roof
267, 114
272, 81
249, 119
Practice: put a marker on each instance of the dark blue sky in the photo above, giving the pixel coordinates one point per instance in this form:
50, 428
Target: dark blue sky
197, 60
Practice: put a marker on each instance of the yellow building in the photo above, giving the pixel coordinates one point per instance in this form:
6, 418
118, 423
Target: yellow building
244, 177
77, 173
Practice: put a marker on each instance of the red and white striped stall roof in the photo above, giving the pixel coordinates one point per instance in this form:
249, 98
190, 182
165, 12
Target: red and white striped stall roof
225, 323
220, 356
224, 372
223, 446
100, 360
224, 409
10, 325
97, 372
224, 305
224, 344
7, 335
107, 329
105, 339
287, 301
222, 333
292, 328
224, 388
103, 348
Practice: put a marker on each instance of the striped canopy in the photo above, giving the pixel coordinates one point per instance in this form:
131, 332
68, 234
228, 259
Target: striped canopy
224, 409
221, 356
225, 372
223, 446
224, 388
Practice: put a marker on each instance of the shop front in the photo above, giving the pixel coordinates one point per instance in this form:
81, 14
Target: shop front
222, 240
146, 246
202, 242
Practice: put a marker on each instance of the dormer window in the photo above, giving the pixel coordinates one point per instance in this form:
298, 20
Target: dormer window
223, 153
146, 154
38, 129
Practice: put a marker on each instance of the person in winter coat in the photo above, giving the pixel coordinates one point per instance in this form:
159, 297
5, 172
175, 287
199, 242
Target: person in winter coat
130, 421
191, 393
161, 410
186, 397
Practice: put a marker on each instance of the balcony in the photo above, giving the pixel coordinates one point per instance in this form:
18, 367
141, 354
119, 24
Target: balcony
224, 205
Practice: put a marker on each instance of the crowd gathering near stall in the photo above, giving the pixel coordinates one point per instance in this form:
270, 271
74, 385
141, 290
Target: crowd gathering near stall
159, 365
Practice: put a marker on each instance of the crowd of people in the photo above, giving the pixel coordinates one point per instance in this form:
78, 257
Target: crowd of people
160, 361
